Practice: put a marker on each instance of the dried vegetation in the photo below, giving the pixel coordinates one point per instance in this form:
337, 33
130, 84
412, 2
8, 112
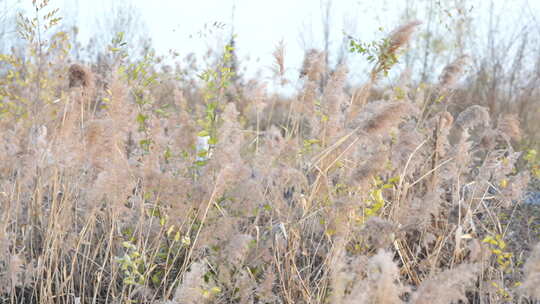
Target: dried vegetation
146, 191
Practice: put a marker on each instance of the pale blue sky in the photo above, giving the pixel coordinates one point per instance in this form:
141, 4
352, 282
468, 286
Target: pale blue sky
261, 24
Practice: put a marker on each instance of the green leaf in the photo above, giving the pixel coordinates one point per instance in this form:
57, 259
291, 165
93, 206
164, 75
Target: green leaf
201, 163
156, 278
141, 118
203, 133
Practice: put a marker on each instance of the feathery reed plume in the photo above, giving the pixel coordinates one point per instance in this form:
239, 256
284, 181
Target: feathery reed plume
238, 248
517, 185
452, 72
531, 283
382, 283
508, 126
333, 103
388, 51
185, 135
419, 211
279, 62
380, 116
231, 138
385, 273
362, 175
401, 36
80, 76
448, 286
99, 143
338, 275
489, 139
265, 289
358, 100
379, 233
190, 291
468, 119
313, 66
446, 120
473, 116
409, 140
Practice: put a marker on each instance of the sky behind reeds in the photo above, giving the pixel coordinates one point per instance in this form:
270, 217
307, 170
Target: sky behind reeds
187, 26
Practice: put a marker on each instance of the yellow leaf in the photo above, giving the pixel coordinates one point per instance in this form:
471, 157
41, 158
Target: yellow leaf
170, 230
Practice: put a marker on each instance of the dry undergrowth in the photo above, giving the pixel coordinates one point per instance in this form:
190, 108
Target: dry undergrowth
324, 197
